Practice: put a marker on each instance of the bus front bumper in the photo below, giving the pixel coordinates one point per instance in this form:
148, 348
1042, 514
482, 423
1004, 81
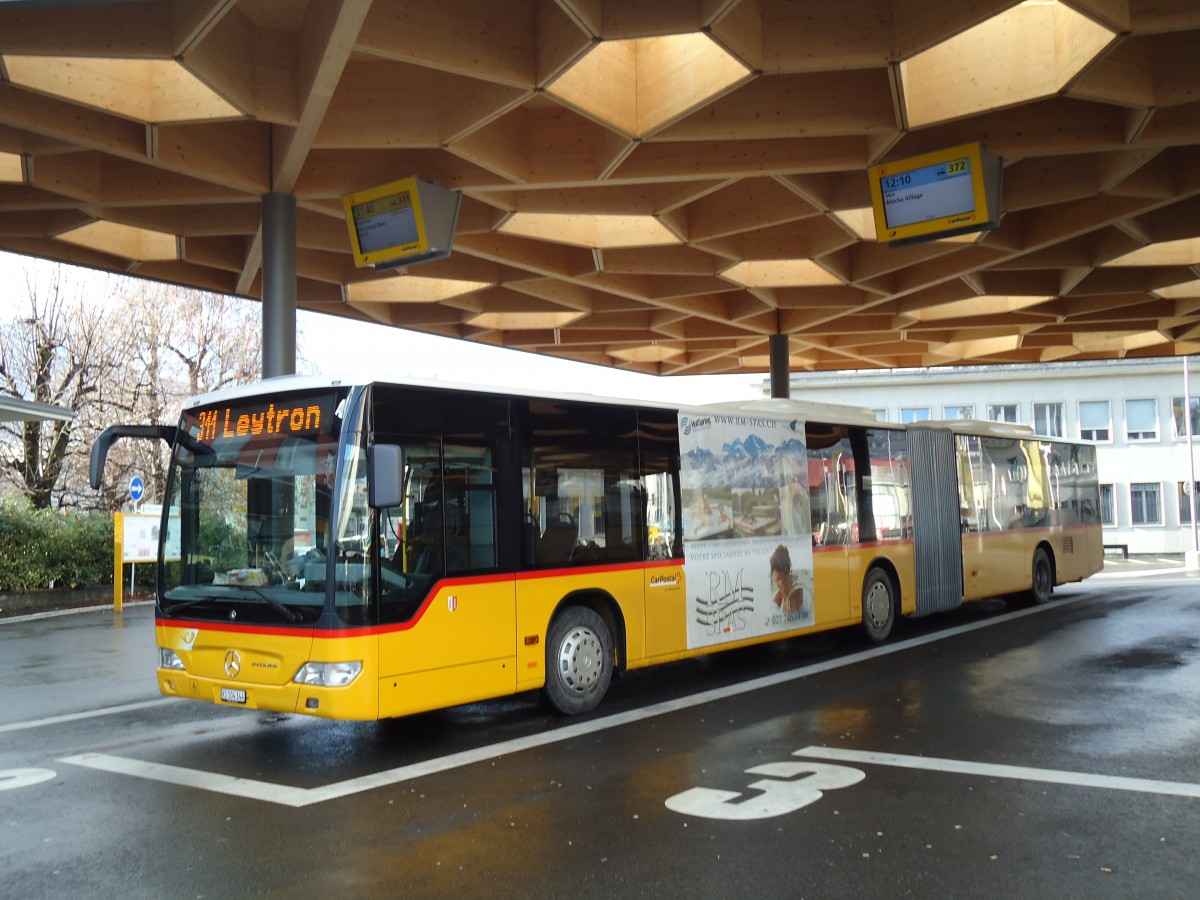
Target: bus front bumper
354, 701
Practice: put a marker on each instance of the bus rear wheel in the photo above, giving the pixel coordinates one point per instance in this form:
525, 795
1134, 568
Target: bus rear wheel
878, 605
1043, 577
579, 661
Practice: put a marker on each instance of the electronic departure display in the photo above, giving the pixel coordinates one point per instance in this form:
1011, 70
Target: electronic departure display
293, 415
401, 223
935, 195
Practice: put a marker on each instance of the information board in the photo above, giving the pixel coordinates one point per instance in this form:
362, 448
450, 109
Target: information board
401, 223
139, 535
935, 195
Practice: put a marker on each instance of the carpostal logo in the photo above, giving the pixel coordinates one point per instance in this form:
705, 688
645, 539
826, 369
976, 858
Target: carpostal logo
664, 580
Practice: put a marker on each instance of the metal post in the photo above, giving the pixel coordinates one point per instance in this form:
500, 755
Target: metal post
118, 560
781, 376
1191, 559
278, 284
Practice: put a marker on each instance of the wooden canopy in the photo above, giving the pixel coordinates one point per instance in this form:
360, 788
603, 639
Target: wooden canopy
658, 185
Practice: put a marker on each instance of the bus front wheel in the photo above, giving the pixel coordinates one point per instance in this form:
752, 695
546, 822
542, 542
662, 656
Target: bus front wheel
1043, 577
878, 605
579, 661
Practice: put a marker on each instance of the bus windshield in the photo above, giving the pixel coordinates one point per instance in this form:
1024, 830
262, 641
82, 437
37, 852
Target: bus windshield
253, 482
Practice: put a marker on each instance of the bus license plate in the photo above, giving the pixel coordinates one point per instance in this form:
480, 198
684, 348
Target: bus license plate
229, 695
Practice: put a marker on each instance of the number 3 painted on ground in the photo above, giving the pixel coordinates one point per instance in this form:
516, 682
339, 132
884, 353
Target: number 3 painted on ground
777, 798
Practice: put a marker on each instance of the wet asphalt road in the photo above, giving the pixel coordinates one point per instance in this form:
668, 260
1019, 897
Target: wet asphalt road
991, 752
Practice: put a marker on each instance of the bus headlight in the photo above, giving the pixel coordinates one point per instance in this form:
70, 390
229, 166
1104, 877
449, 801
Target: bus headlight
169, 659
334, 674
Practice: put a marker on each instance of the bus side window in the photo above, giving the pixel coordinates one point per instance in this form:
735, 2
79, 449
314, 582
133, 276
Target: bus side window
891, 494
583, 491
659, 495
469, 479
409, 535
833, 498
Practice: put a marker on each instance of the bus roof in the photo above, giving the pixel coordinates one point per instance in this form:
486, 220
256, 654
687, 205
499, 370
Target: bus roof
777, 407
985, 428
808, 410
265, 386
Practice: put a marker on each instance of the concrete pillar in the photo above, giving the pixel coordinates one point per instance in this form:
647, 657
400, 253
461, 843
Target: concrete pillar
781, 376
278, 284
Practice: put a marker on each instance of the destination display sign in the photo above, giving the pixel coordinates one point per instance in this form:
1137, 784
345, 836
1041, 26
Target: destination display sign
940, 191
948, 192
264, 416
387, 221
401, 223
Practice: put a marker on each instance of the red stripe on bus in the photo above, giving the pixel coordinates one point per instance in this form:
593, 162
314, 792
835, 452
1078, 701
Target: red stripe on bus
368, 630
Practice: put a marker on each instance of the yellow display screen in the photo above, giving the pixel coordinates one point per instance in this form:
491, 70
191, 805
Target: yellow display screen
386, 223
949, 191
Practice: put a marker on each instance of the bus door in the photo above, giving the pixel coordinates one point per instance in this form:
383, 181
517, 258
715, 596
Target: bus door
834, 512
447, 615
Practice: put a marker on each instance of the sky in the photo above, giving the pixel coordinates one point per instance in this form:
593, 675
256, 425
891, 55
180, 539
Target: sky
331, 345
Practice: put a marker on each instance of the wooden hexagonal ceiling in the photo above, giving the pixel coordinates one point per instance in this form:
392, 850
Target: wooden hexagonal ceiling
658, 185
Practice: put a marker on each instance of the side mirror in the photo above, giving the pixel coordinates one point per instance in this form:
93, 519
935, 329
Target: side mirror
110, 435
385, 475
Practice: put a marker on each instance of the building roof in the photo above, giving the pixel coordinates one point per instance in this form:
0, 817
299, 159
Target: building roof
14, 409
658, 186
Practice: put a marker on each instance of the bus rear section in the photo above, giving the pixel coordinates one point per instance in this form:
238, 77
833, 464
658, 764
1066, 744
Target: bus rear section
1000, 512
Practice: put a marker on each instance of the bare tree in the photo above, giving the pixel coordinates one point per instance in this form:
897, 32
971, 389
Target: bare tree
56, 351
181, 343
129, 351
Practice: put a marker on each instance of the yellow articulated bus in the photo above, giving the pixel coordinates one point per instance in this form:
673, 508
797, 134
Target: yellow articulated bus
363, 551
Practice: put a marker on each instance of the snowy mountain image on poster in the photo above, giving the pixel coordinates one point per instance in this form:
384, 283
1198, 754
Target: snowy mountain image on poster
747, 530
743, 477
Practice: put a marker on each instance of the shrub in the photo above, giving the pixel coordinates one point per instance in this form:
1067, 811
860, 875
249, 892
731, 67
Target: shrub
44, 548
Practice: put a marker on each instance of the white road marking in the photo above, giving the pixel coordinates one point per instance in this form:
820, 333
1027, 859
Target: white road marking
207, 781
10, 779
55, 613
89, 714
994, 770
776, 798
292, 796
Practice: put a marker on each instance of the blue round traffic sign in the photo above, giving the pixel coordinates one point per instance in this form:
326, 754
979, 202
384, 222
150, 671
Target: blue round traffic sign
137, 487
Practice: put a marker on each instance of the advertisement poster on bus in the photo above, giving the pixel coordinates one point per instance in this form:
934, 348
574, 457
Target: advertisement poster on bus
747, 539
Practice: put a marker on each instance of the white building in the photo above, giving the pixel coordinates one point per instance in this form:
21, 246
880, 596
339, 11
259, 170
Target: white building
1132, 410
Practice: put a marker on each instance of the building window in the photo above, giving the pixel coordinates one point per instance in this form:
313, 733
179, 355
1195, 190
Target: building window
880, 415
1108, 509
1095, 423
1048, 419
958, 412
1177, 417
1141, 420
1145, 504
909, 414
1187, 509
1003, 412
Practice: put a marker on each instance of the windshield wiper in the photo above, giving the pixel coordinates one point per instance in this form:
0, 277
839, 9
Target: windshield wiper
184, 604
290, 614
